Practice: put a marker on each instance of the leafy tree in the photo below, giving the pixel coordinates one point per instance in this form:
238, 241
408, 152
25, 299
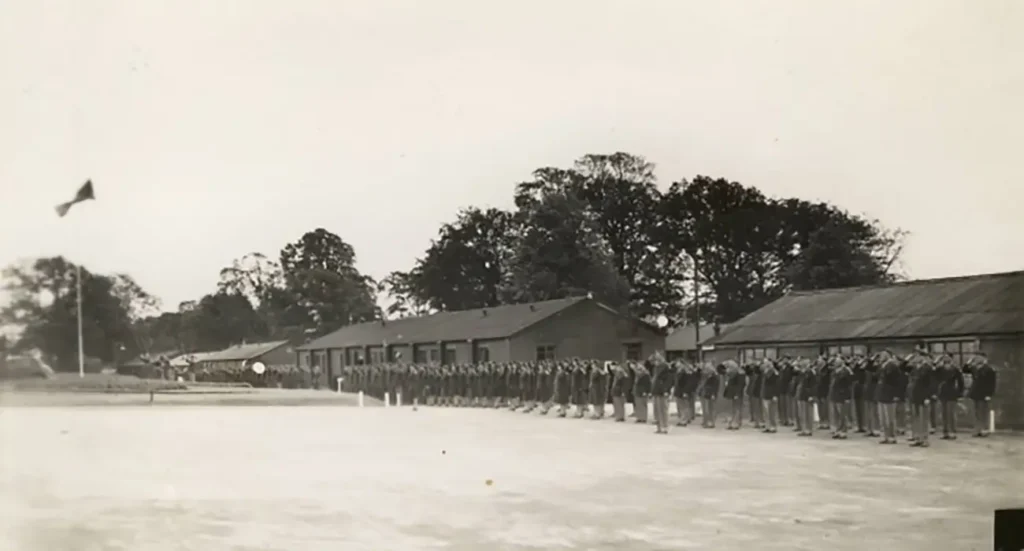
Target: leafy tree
261, 280
221, 320
560, 253
44, 305
466, 266
405, 301
319, 271
621, 197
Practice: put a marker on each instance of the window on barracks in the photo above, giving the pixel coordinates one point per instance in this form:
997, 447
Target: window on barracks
846, 350
435, 355
959, 350
546, 352
420, 356
449, 356
483, 354
632, 351
753, 354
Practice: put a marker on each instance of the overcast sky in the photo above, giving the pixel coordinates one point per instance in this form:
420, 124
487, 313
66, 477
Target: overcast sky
216, 128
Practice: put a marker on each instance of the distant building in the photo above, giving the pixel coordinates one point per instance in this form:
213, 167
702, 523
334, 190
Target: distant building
140, 366
563, 328
682, 343
957, 316
243, 356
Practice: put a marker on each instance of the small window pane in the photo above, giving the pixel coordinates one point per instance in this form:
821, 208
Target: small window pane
969, 346
937, 347
771, 353
434, 354
483, 354
832, 350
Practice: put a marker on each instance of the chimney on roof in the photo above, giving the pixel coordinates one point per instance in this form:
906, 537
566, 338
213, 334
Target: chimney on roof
533, 307
718, 329
485, 312
383, 322
590, 294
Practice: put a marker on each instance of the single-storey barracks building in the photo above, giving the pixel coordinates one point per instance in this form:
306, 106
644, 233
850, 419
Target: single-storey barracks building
953, 315
243, 356
682, 343
563, 328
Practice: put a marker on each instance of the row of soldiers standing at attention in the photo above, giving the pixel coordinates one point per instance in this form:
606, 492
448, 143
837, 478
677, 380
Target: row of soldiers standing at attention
882, 394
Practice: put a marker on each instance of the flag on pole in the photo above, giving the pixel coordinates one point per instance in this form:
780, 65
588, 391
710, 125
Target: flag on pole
84, 194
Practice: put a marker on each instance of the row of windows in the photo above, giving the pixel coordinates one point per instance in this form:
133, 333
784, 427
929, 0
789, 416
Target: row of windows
959, 350
630, 351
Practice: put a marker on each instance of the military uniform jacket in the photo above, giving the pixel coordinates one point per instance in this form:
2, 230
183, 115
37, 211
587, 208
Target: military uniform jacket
563, 385
734, 385
951, 385
679, 387
664, 378
643, 384
870, 382
890, 382
579, 382
785, 379
754, 384
770, 385
709, 387
842, 385
824, 383
924, 384
619, 381
983, 384
807, 388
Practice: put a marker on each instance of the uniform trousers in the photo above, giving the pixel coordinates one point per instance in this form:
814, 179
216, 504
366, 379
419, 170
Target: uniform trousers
661, 412
619, 407
840, 417
640, 409
737, 412
771, 407
806, 413
922, 417
949, 408
684, 410
981, 415
707, 406
873, 423
824, 412
888, 415
756, 411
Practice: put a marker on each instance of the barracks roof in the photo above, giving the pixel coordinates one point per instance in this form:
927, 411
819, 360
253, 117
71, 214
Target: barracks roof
482, 323
685, 338
242, 352
959, 306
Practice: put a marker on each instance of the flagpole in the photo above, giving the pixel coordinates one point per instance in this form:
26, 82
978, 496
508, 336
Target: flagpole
81, 347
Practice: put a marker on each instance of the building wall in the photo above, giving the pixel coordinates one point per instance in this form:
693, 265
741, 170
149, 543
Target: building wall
586, 331
1006, 355
282, 355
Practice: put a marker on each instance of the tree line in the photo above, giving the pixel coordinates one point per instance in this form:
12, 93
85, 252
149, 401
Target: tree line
601, 226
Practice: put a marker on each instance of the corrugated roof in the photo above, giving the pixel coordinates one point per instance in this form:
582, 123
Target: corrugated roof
188, 358
972, 305
685, 338
243, 352
483, 323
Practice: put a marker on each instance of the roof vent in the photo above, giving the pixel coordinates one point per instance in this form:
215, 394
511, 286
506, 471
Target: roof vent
485, 312
533, 307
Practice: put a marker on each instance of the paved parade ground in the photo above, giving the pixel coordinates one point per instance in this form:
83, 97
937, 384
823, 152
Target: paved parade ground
328, 478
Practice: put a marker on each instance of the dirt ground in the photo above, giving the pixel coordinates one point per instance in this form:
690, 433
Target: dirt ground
326, 478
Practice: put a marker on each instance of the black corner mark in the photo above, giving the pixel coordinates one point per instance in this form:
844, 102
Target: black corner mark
1007, 534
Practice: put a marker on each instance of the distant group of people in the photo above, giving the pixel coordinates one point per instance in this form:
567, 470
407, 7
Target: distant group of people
883, 395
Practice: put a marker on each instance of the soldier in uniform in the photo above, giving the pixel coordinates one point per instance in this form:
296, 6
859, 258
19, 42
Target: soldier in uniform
735, 385
785, 368
563, 388
618, 393
869, 392
951, 388
679, 393
806, 393
599, 388
526, 387
824, 384
663, 380
754, 377
580, 388
642, 387
840, 394
922, 395
888, 390
708, 392
770, 386
983, 387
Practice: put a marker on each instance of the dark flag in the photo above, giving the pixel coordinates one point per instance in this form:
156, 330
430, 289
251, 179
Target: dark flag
84, 194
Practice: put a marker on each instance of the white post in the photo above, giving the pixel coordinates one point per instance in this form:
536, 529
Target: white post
816, 418
387, 399
360, 398
991, 421
398, 399
81, 347
339, 385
